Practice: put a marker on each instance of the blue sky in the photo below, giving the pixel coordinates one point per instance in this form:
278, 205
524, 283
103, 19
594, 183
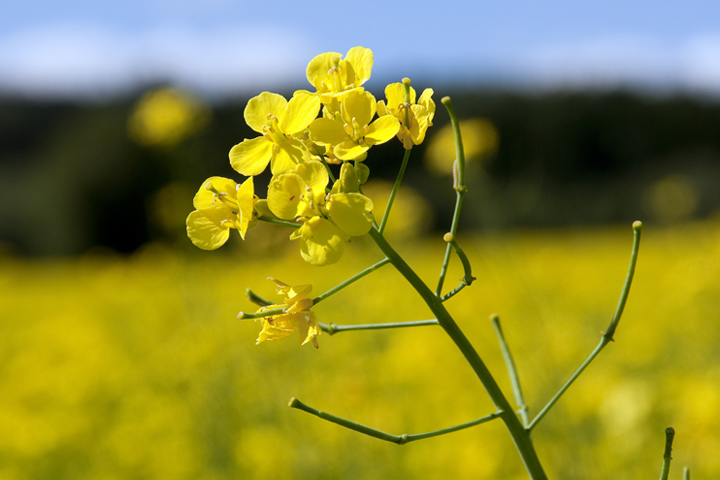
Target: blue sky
56, 47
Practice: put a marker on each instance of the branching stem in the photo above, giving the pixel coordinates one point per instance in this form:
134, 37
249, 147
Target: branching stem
459, 186
608, 335
512, 370
399, 439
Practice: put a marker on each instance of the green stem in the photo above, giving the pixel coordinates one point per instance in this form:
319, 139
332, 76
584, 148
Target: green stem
637, 230
277, 221
512, 370
608, 335
517, 431
399, 439
266, 313
686, 473
329, 171
468, 278
350, 281
396, 187
257, 299
458, 185
667, 456
453, 292
332, 328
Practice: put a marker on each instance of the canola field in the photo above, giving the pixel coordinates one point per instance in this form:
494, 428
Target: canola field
137, 367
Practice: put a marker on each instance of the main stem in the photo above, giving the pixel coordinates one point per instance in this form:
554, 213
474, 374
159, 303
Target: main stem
520, 436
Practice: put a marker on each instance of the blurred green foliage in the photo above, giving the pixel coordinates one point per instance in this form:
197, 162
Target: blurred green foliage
75, 176
136, 367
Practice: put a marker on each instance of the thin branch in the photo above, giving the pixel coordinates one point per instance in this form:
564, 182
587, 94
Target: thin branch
468, 279
512, 370
399, 439
667, 456
332, 328
350, 281
608, 336
453, 292
393, 192
257, 299
266, 313
458, 185
277, 221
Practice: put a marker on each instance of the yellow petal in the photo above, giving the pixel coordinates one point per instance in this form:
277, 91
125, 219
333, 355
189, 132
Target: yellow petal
351, 212
315, 176
421, 121
308, 328
317, 69
361, 60
246, 204
321, 242
285, 193
395, 94
301, 110
205, 197
359, 106
288, 154
276, 327
251, 157
382, 130
351, 151
206, 228
258, 108
327, 132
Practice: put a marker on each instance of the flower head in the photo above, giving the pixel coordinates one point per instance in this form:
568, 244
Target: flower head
278, 120
296, 316
415, 118
221, 205
334, 76
328, 220
351, 132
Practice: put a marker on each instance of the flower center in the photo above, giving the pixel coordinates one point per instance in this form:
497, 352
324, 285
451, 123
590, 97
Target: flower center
271, 130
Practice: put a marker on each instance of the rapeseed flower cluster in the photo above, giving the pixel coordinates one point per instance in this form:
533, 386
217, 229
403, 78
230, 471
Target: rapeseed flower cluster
299, 139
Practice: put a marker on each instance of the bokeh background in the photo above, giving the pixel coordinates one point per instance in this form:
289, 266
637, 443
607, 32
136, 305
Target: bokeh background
122, 357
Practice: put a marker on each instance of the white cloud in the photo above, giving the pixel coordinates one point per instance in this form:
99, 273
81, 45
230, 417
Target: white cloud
77, 59
85, 59
629, 60
701, 62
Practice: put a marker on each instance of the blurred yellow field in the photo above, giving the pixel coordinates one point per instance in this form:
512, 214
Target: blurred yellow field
137, 367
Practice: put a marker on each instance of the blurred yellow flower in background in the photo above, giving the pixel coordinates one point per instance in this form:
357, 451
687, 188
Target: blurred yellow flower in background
480, 140
135, 367
166, 116
411, 214
672, 198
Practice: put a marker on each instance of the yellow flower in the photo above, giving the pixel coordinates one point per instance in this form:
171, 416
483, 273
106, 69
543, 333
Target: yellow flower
351, 134
221, 204
480, 142
278, 120
296, 316
166, 116
328, 220
333, 77
415, 118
